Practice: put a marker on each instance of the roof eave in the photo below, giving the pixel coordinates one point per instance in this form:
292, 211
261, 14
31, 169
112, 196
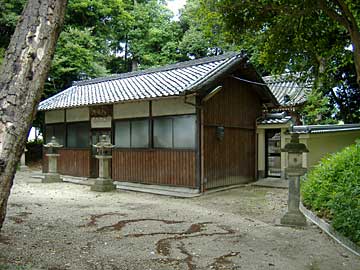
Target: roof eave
225, 70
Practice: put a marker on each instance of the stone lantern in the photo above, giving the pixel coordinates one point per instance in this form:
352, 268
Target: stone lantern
23, 167
103, 182
294, 171
52, 153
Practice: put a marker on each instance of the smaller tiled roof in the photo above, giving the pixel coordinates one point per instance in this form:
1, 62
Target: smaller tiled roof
288, 89
274, 118
171, 80
325, 128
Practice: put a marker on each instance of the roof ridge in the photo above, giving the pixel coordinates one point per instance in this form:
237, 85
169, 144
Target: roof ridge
194, 62
287, 77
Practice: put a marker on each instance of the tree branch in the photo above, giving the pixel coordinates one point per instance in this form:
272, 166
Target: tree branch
333, 15
350, 17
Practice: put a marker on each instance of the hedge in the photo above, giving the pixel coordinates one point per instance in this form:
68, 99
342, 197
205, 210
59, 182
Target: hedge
332, 189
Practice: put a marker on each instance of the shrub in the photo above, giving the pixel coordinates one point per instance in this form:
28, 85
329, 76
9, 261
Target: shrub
332, 189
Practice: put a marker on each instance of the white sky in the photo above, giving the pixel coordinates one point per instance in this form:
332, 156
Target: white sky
175, 5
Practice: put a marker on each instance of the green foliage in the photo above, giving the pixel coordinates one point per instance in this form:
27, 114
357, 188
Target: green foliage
290, 36
194, 43
346, 94
332, 189
153, 37
77, 57
204, 33
9, 14
317, 110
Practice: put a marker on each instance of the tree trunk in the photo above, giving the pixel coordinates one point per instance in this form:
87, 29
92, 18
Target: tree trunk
355, 37
340, 12
23, 73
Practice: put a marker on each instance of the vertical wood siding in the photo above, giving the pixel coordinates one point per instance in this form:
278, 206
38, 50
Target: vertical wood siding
74, 162
159, 166
232, 160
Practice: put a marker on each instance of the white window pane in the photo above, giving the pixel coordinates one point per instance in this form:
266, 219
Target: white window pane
122, 134
184, 131
140, 133
163, 136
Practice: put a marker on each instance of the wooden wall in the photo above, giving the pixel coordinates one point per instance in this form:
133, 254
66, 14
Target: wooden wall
74, 162
155, 166
231, 160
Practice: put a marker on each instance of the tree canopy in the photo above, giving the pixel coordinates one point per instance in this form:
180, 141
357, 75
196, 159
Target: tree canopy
318, 39
314, 38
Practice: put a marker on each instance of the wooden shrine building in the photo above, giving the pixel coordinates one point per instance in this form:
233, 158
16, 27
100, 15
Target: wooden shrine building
191, 124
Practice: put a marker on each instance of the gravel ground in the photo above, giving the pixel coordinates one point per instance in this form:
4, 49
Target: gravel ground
66, 226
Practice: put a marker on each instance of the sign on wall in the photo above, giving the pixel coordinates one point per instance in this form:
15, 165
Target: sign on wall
101, 122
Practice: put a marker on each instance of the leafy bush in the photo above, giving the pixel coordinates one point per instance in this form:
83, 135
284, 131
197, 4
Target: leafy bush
332, 189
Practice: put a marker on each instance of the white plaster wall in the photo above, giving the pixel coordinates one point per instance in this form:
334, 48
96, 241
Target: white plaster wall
77, 114
324, 143
131, 110
173, 106
56, 116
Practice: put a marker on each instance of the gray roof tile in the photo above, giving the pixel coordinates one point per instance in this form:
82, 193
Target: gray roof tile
326, 128
151, 83
288, 89
274, 118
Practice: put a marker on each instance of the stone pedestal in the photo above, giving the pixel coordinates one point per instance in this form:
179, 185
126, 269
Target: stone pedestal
52, 176
294, 217
103, 183
23, 167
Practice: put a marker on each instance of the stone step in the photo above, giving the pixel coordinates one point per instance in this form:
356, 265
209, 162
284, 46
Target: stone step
157, 189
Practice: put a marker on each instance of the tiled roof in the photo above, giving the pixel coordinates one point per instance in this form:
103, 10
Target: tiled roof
274, 118
289, 90
165, 81
325, 128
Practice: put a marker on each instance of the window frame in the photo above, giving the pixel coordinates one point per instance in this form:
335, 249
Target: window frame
151, 119
63, 124
172, 128
89, 134
195, 132
130, 120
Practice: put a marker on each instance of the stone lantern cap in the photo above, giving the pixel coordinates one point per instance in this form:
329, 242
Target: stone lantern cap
53, 143
104, 146
104, 143
295, 146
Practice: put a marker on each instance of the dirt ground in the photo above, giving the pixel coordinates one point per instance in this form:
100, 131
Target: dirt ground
66, 226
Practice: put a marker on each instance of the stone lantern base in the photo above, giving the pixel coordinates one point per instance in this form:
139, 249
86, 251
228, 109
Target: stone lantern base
51, 178
294, 219
23, 167
103, 185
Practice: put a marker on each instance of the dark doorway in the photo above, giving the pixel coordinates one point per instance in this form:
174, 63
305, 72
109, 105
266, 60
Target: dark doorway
273, 152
